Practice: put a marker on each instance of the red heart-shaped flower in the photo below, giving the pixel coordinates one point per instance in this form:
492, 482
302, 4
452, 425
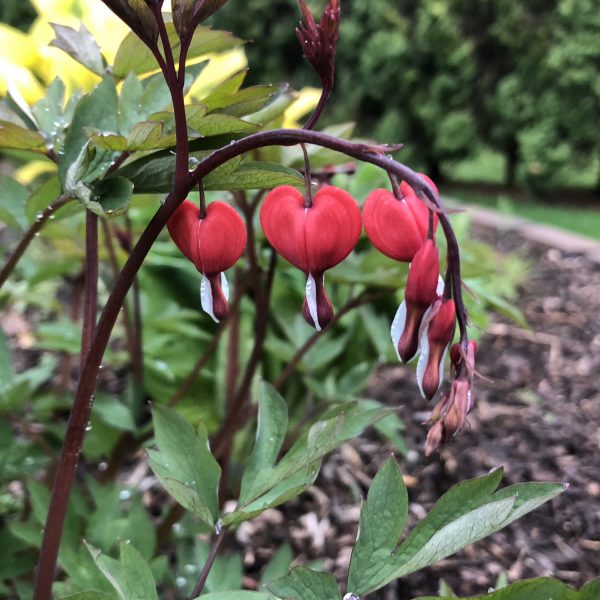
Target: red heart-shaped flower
313, 238
213, 244
397, 227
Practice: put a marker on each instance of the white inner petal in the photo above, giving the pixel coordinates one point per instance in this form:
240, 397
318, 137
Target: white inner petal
225, 286
311, 300
398, 325
424, 357
440, 286
206, 298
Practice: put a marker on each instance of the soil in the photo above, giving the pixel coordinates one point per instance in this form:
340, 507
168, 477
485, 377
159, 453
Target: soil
539, 418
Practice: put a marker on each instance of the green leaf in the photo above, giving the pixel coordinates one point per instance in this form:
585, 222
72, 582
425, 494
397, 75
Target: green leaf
305, 584
253, 176
300, 466
130, 103
130, 576
184, 464
217, 124
238, 595
466, 513
80, 45
134, 57
48, 110
97, 110
529, 589
245, 101
144, 136
110, 197
382, 520
91, 595
591, 590
270, 435
13, 198
279, 564
18, 138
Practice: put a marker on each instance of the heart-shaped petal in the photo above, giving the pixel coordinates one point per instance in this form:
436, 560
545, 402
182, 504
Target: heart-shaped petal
313, 239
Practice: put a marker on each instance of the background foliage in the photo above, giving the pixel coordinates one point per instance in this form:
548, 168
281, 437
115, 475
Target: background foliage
448, 77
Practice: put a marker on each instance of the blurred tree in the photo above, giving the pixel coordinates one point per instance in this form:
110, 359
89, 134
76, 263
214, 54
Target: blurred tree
521, 76
18, 13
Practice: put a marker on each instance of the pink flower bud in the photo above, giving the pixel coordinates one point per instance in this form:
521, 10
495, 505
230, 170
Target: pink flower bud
213, 244
436, 335
314, 238
422, 289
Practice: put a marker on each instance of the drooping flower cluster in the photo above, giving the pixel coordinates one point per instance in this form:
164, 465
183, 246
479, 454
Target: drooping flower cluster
314, 235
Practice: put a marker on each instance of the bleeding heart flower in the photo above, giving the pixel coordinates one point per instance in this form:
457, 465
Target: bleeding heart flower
397, 227
214, 244
313, 238
423, 286
437, 331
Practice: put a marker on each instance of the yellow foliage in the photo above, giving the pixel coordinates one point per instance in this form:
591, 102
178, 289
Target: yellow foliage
307, 100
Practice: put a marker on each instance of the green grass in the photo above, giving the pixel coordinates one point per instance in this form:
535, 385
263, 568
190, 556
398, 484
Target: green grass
583, 221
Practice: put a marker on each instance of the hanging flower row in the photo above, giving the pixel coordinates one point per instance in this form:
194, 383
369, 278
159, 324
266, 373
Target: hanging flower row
315, 234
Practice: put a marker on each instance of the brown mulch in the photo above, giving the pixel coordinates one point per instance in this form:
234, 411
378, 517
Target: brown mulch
540, 419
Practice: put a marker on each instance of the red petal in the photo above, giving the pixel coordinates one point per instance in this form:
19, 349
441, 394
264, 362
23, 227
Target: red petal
313, 239
422, 281
282, 217
183, 228
221, 238
333, 226
391, 225
418, 207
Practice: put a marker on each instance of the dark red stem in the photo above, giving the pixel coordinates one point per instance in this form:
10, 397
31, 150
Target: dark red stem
78, 422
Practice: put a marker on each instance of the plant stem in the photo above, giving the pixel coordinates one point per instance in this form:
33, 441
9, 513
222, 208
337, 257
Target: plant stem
138, 347
87, 382
214, 549
325, 94
78, 421
40, 221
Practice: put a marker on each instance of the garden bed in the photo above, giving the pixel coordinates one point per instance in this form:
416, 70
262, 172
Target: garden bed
540, 418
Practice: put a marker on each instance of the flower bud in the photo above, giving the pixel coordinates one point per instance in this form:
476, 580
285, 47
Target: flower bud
418, 206
450, 414
312, 238
214, 244
422, 289
435, 337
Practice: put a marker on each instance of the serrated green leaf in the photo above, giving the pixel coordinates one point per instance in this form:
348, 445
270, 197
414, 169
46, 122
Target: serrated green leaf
143, 136
18, 138
80, 45
305, 584
97, 110
134, 57
184, 464
382, 520
13, 198
130, 576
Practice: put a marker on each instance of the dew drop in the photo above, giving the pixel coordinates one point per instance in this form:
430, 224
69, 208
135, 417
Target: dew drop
124, 495
180, 582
